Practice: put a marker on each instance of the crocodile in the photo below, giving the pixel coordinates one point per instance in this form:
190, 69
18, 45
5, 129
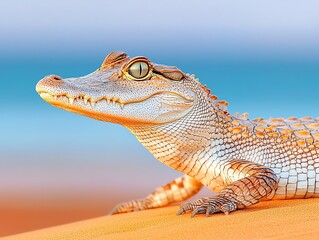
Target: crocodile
243, 161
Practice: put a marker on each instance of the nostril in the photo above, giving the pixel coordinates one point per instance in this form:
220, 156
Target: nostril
55, 78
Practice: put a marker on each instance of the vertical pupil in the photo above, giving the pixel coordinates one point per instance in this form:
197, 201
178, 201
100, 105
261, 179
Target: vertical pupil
140, 69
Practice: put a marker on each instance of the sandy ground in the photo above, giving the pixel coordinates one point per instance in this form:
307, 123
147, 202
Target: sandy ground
293, 219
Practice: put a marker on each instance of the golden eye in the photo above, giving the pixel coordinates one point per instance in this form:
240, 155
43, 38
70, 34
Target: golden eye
138, 70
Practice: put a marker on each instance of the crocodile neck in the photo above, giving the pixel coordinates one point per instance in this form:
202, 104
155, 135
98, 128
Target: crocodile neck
179, 143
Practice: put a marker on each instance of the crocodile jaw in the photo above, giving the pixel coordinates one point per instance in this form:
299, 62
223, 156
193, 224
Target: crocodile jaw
151, 108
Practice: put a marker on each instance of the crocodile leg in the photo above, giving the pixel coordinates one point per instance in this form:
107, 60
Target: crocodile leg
248, 184
176, 191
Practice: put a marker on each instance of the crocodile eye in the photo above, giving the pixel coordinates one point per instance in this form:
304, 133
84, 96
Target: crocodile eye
138, 70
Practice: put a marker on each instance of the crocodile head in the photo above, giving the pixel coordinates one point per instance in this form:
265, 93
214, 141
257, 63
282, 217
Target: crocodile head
124, 90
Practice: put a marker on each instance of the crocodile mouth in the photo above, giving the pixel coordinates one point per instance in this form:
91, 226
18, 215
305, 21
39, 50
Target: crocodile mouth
83, 101
64, 99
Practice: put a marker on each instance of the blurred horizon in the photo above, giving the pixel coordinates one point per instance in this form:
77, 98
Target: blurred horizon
262, 57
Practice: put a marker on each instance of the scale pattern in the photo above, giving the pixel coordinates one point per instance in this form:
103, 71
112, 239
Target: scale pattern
206, 143
244, 161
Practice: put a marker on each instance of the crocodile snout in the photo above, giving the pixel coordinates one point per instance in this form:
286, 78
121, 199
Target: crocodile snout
48, 81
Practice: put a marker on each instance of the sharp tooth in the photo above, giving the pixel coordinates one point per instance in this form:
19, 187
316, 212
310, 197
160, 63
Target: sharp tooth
55, 97
93, 104
113, 101
122, 105
108, 101
71, 100
85, 99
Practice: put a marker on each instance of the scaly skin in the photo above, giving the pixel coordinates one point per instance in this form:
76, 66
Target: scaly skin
186, 128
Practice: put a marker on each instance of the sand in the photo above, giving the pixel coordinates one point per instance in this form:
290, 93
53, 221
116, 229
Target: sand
293, 219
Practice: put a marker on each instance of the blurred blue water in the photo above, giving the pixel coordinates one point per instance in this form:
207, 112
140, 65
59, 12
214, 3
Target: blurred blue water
262, 87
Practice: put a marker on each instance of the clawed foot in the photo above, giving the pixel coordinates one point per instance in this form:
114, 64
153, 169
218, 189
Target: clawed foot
209, 206
131, 206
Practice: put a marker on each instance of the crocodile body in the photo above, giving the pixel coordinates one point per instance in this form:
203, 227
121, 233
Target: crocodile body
187, 128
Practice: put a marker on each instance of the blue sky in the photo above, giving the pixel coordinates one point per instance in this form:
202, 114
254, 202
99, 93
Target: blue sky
224, 29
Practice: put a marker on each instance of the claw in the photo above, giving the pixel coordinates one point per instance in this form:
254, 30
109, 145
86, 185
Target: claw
209, 206
228, 207
225, 210
184, 208
208, 211
198, 210
181, 211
